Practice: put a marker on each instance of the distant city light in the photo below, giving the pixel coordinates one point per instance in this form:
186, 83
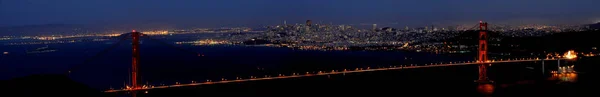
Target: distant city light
162, 32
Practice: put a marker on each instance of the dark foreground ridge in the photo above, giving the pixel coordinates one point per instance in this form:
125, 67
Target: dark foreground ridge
46, 86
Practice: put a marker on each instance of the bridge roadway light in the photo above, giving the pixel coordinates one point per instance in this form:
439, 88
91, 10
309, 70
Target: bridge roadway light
570, 54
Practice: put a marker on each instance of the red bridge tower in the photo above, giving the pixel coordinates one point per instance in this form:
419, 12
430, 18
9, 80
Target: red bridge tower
135, 58
483, 52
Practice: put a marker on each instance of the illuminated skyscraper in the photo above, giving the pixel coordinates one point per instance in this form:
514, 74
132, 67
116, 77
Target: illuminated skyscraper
307, 27
374, 27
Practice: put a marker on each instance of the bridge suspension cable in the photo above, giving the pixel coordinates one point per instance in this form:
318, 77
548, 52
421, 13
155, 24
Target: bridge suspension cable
493, 27
95, 56
170, 45
135, 37
474, 27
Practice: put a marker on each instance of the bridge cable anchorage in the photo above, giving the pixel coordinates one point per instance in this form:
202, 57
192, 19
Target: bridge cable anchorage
170, 45
95, 56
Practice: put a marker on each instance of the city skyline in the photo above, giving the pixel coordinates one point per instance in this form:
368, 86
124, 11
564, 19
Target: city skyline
271, 12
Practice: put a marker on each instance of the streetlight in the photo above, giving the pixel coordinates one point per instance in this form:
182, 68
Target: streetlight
569, 55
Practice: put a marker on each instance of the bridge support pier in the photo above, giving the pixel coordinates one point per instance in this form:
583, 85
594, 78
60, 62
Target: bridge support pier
543, 68
483, 78
558, 64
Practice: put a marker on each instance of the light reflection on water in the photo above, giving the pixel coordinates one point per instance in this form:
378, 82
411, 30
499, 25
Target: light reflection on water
564, 77
486, 89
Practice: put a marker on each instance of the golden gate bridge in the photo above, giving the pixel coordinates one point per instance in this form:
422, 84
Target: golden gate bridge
482, 61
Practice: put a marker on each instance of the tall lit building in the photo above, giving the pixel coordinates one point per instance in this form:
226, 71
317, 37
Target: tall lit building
374, 27
307, 27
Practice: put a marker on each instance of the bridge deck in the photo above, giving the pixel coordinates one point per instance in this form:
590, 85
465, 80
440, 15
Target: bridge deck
297, 75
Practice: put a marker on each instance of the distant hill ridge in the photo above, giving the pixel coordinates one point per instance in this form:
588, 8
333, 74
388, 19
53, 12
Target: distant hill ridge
595, 26
71, 29
45, 29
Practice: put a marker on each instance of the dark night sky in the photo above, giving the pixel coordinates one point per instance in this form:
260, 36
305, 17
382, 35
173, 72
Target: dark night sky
253, 13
